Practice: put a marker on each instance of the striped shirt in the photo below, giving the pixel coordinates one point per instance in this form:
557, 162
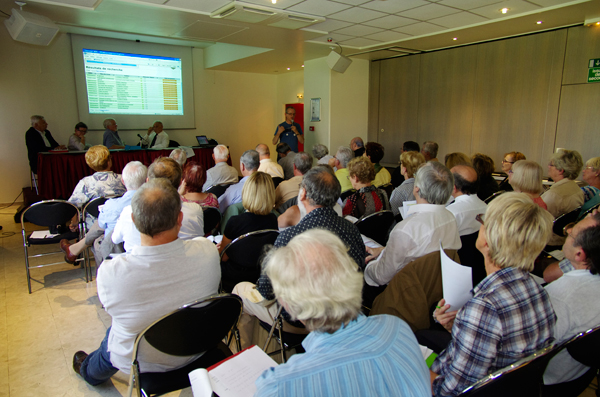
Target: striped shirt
371, 356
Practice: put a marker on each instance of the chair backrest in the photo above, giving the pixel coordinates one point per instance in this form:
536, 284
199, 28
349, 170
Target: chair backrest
289, 203
194, 327
347, 194
212, 217
92, 206
589, 206
247, 249
217, 190
173, 143
376, 225
389, 188
522, 378
49, 213
470, 256
585, 347
277, 180
558, 227
493, 196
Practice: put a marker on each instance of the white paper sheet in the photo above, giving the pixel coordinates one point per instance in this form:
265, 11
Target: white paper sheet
558, 255
200, 383
456, 282
42, 234
404, 209
425, 351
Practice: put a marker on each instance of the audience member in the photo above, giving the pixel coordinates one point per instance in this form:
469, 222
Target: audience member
408, 146
318, 195
375, 152
180, 156
591, 176
339, 162
289, 189
77, 140
38, 139
457, 158
466, 205
111, 138
510, 315
222, 173
258, 198
564, 195
134, 175
321, 153
484, 165
430, 151
289, 132
367, 199
428, 223
316, 279
507, 162
409, 164
249, 163
190, 189
156, 137
358, 146
286, 160
192, 224
526, 176
157, 277
266, 164
575, 297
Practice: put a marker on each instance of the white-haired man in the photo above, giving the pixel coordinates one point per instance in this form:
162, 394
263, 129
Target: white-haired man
430, 150
339, 162
222, 173
157, 277
156, 137
111, 138
346, 353
39, 139
249, 163
180, 156
290, 188
266, 164
428, 222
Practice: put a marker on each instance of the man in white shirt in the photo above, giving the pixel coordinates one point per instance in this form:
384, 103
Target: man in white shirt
193, 218
266, 164
156, 138
428, 222
466, 205
575, 296
222, 173
157, 277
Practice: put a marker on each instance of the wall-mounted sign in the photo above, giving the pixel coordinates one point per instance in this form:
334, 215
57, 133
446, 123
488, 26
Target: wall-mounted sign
315, 109
594, 71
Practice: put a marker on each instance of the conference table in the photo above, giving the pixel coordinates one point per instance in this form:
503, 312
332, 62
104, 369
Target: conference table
59, 173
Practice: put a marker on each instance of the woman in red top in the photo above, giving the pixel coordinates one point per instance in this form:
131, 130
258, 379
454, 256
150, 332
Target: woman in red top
367, 199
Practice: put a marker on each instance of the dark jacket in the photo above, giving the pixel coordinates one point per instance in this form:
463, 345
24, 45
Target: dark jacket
36, 144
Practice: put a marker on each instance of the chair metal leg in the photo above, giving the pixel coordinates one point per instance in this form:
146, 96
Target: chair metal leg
26, 261
34, 183
281, 343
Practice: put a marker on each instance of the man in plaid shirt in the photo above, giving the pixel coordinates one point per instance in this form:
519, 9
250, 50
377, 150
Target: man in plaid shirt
510, 316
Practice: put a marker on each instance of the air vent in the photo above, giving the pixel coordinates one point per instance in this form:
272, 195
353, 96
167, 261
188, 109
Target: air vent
250, 13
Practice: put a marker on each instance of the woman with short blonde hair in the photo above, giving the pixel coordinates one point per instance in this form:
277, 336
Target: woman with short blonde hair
409, 164
526, 176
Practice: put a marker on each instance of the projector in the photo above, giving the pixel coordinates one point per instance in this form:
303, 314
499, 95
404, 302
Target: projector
30, 28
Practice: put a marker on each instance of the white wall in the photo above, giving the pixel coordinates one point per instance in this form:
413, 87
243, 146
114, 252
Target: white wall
317, 84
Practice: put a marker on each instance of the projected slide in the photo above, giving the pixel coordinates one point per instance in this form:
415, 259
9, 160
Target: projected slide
119, 83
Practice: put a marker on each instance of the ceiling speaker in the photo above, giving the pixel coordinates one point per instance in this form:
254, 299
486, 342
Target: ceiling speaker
338, 62
30, 28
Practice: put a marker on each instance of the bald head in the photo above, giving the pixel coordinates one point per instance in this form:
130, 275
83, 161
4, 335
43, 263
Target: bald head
465, 180
263, 151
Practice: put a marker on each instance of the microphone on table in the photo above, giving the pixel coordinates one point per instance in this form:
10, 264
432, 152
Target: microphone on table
141, 138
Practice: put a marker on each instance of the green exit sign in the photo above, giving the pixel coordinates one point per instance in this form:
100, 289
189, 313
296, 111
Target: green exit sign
594, 71
594, 63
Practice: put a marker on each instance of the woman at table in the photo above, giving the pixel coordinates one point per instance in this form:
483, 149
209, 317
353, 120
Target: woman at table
367, 199
507, 163
193, 179
525, 176
77, 140
102, 183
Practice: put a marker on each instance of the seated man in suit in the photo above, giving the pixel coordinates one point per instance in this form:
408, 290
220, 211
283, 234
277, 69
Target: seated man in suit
157, 277
38, 139
347, 354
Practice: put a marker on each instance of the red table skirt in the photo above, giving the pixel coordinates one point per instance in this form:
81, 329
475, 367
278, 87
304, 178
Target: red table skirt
59, 173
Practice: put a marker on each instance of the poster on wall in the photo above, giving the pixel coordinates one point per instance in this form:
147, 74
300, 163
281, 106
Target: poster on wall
315, 109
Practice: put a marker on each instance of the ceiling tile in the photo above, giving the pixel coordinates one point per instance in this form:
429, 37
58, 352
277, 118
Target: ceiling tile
335, 36
420, 28
329, 25
281, 4
207, 6
353, 2
428, 12
387, 36
318, 7
459, 20
467, 4
390, 22
393, 6
360, 42
515, 7
548, 3
357, 15
208, 31
358, 30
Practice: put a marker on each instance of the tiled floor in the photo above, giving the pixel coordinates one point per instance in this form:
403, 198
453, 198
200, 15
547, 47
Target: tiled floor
39, 333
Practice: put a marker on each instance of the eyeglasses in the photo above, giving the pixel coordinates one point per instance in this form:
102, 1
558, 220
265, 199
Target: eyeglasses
292, 114
506, 161
479, 218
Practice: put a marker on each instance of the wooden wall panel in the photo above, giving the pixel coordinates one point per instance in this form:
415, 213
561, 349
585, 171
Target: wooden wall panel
579, 120
446, 94
373, 124
398, 104
583, 44
516, 86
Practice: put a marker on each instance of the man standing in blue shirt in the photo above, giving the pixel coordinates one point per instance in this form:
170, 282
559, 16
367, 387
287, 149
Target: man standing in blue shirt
289, 132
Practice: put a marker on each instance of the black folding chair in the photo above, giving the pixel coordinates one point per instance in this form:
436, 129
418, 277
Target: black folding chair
287, 340
48, 213
564, 220
277, 180
470, 256
376, 226
493, 196
212, 219
244, 254
217, 190
196, 327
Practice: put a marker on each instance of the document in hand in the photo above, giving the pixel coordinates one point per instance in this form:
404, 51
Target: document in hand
456, 282
232, 377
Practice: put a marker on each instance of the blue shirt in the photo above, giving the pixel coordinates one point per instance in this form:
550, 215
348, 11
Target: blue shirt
111, 138
232, 195
371, 356
108, 217
288, 135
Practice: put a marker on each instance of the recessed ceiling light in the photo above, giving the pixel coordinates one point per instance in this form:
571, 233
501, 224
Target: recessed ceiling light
302, 65
539, 22
455, 38
288, 68
504, 10
274, 1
